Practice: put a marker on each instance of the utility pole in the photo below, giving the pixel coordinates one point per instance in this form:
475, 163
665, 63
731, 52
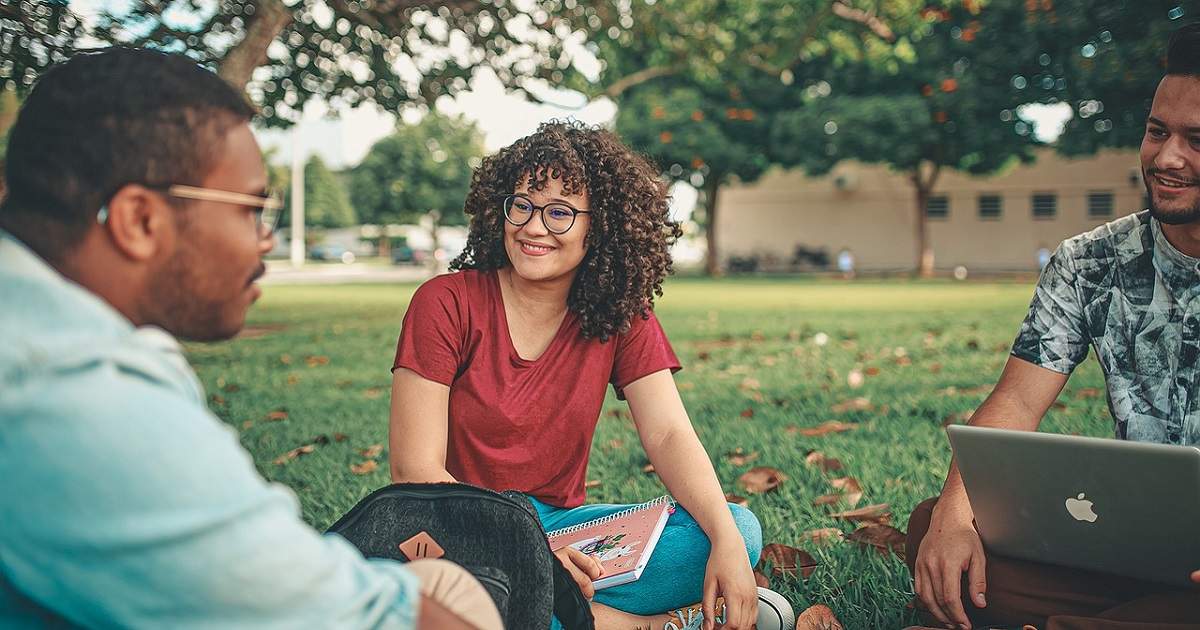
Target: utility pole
297, 234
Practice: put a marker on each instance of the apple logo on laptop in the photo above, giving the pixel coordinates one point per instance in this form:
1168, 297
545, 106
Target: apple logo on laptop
1081, 509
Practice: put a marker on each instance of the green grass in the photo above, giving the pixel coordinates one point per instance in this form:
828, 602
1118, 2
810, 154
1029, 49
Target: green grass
724, 332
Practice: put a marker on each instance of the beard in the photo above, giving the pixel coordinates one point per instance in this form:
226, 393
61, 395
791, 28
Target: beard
1172, 216
192, 304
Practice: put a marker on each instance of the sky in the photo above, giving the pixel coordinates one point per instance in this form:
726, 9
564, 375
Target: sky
344, 139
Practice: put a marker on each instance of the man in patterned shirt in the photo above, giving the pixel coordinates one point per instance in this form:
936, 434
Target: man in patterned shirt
1130, 290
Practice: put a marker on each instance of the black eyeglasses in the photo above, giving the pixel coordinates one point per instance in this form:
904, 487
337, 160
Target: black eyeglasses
558, 217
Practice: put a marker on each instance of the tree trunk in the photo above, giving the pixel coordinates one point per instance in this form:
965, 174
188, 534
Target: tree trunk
712, 259
924, 251
923, 185
269, 18
435, 221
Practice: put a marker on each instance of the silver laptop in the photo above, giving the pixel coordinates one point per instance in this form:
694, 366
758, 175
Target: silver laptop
1126, 508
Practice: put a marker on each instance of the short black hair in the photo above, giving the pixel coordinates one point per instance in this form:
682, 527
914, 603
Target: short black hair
103, 120
1183, 51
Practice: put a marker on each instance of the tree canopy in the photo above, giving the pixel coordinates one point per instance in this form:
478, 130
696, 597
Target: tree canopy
326, 202
393, 53
419, 168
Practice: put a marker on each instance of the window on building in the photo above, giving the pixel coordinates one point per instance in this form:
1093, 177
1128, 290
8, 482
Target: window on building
990, 207
938, 207
1045, 205
1100, 205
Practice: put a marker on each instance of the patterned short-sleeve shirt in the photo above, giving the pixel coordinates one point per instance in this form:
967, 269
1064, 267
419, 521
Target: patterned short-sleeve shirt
1125, 291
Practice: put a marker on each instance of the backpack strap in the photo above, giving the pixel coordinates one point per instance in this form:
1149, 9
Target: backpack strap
570, 606
572, 609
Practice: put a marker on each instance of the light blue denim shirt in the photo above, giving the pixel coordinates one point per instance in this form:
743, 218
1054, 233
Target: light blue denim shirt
125, 503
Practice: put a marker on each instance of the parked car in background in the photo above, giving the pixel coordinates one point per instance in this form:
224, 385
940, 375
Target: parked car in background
405, 255
331, 252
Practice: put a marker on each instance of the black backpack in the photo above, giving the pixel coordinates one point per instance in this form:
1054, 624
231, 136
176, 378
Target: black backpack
494, 535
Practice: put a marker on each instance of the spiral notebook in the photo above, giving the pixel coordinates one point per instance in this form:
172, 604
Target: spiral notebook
622, 542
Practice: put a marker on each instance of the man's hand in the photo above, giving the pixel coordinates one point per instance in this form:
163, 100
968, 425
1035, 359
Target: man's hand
946, 552
582, 567
1196, 576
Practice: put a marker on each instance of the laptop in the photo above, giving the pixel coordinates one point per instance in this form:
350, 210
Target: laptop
1125, 508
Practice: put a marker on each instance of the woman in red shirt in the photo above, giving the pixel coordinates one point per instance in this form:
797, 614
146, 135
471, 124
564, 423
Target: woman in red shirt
501, 369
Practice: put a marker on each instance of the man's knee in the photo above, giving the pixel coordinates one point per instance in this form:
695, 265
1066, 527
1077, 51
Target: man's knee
918, 526
455, 589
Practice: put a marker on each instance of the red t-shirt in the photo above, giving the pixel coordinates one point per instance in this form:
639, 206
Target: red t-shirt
517, 424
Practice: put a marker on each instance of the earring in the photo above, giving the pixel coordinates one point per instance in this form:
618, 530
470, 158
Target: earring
102, 215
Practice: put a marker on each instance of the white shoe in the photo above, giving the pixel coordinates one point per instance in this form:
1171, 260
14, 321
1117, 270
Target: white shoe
774, 613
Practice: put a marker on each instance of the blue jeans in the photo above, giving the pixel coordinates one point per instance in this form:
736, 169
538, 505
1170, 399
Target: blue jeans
674, 577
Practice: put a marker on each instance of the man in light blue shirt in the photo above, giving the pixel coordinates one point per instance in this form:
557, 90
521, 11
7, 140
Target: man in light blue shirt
136, 211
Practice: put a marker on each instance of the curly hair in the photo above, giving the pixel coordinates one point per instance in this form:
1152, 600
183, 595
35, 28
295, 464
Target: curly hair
628, 244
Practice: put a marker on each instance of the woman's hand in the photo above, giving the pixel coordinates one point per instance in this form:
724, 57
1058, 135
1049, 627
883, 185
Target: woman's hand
728, 574
582, 567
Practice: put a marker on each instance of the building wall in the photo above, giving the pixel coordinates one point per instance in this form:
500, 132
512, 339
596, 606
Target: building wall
870, 210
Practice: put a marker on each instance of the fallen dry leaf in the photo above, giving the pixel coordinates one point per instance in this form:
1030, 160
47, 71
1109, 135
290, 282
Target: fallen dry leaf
903, 361
293, 379
831, 426
974, 390
1059, 406
877, 514
960, 417
827, 499
703, 356
739, 457
761, 580
750, 383
373, 392
616, 444
824, 535
339, 437
247, 424
686, 387
592, 483
737, 499
935, 367
285, 359
787, 560
232, 387
648, 469
368, 466
294, 453
872, 371
818, 617
761, 479
855, 404
1087, 392
372, 451
217, 399
747, 413
883, 538
277, 415
818, 459
314, 361
850, 488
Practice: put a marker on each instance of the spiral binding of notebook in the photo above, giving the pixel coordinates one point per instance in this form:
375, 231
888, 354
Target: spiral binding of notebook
666, 498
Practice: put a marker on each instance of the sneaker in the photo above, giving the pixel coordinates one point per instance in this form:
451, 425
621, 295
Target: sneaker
774, 613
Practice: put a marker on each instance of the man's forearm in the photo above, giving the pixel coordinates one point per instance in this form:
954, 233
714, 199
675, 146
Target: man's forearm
1001, 410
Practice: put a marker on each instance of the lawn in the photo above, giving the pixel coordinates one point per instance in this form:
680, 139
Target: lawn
763, 359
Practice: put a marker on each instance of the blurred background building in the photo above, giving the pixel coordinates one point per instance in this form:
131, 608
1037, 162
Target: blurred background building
788, 221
